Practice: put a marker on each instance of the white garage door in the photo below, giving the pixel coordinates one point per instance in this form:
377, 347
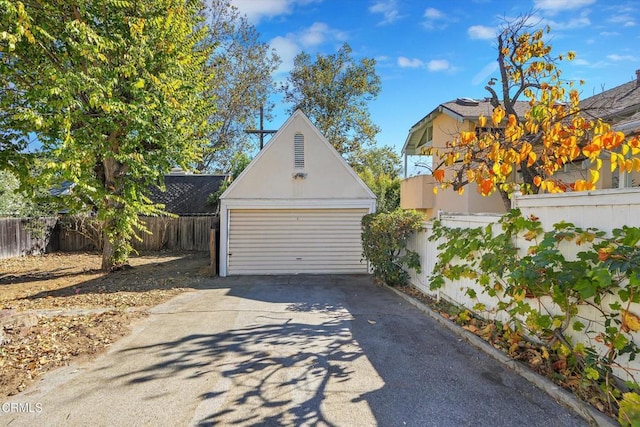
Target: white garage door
289, 241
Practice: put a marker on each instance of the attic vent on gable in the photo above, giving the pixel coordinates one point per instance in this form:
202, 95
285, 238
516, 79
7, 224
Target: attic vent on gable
298, 151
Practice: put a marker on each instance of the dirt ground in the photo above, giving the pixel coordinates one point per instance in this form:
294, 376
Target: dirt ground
60, 307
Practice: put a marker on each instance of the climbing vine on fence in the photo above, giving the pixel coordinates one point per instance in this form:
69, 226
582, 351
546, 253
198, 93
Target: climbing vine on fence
384, 244
542, 288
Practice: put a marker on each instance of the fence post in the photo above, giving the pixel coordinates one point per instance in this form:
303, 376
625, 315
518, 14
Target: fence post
514, 196
212, 250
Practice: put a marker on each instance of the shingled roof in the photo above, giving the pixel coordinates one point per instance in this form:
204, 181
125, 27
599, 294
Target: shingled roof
619, 106
187, 194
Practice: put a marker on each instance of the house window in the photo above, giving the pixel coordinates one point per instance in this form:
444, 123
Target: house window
298, 151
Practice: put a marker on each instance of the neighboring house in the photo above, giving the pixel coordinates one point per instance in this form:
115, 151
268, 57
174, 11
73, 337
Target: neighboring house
188, 194
435, 130
620, 107
297, 208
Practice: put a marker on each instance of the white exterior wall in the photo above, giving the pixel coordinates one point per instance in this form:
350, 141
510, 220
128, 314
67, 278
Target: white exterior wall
602, 209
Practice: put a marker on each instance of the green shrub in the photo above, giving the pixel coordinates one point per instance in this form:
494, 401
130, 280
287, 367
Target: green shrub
384, 244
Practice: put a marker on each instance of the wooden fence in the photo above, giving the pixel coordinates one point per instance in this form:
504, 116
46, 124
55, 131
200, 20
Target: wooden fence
25, 236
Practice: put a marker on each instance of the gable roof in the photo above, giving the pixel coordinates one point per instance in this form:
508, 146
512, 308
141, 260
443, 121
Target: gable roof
187, 194
460, 109
619, 106
271, 181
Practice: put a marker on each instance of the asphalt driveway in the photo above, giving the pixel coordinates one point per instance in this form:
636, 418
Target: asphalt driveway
289, 350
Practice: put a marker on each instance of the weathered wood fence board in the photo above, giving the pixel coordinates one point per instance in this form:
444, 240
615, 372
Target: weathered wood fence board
23, 236
27, 236
187, 233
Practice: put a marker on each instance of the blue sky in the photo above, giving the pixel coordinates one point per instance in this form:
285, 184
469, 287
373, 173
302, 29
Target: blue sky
431, 51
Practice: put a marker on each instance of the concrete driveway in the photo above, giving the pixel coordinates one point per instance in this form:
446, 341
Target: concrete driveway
288, 350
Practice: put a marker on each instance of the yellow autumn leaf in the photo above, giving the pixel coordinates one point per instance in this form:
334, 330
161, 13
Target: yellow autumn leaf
467, 137
470, 176
498, 115
482, 121
532, 159
496, 168
580, 185
630, 321
628, 165
594, 176
461, 190
519, 294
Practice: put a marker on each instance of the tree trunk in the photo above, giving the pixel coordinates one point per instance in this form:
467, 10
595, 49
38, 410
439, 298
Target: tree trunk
506, 199
115, 252
107, 253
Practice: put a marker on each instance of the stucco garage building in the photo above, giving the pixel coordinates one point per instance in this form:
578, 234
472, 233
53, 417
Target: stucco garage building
295, 209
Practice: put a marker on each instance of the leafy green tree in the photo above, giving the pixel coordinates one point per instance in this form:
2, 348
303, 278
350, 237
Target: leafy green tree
15, 203
380, 160
114, 92
333, 91
379, 168
243, 82
386, 189
239, 163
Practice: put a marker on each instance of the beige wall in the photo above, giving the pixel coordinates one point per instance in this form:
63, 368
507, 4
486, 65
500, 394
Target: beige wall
445, 128
417, 192
271, 174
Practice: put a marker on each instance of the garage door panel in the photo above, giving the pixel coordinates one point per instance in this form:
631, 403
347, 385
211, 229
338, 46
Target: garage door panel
278, 241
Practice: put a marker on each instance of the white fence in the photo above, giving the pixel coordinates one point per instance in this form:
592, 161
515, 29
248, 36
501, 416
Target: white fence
602, 209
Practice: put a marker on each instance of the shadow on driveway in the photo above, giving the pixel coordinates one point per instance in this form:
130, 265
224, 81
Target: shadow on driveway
335, 350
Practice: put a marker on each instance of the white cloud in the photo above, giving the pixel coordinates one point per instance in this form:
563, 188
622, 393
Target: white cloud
554, 6
433, 13
481, 32
616, 57
388, 9
482, 76
624, 20
609, 33
258, 9
579, 61
287, 50
405, 62
438, 65
287, 47
576, 22
435, 19
316, 34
